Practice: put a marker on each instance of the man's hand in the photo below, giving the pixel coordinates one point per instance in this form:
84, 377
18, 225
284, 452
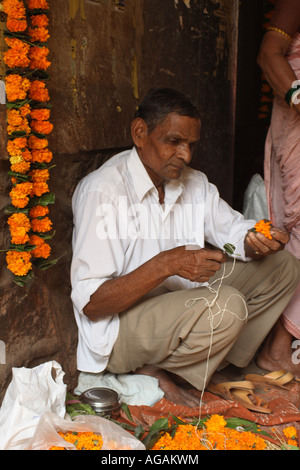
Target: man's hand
197, 265
258, 246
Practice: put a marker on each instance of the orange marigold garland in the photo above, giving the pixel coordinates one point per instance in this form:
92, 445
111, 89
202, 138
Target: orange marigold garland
28, 128
213, 434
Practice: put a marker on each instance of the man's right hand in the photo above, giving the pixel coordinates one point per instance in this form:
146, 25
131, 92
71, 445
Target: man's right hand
197, 265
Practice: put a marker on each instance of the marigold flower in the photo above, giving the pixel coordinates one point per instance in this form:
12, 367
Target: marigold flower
38, 34
39, 188
42, 155
41, 225
20, 194
40, 21
14, 9
17, 55
22, 167
42, 114
82, 440
16, 146
16, 159
38, 176
38, 58
16, 87
42, 127
38, 211
26, 155
42, 249
264, 227
214, 435
19, 262
38, 4
16, 25
16, 222
38, 91
16, 122
290, 432
37, 143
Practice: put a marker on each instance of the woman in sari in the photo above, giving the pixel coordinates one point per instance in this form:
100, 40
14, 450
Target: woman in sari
279, 58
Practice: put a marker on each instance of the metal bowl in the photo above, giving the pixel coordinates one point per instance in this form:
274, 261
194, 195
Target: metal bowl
104, 401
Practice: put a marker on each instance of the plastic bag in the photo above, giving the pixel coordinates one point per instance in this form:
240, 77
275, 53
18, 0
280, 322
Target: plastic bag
114, 437
31, 393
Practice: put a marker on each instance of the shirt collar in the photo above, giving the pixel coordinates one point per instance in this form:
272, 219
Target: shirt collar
143, 184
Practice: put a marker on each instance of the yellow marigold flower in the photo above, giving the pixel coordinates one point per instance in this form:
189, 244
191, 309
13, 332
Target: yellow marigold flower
38, 91
37, 143
42, 156
16, 87
40, 114
41, 225
19, 262
42, 127
14, 9
16, 159
38, 58
38, 4
38, 211
42, 249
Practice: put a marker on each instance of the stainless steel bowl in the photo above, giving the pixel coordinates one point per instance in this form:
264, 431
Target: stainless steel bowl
104, 401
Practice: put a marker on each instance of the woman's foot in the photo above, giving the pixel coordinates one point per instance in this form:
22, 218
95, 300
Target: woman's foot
277, 352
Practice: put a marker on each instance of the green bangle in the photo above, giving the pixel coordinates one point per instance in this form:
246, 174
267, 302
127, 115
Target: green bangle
289, 95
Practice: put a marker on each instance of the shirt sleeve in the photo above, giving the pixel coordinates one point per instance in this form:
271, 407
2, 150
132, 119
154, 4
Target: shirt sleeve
223, 224
286, 16
98, 251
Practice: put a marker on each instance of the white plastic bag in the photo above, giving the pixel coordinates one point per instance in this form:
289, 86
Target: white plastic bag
114, 437
31, 393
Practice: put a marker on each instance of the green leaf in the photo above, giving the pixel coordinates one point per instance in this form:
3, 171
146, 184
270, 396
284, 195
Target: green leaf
229, 248
10, 209
44, 264
44, 200
26, 247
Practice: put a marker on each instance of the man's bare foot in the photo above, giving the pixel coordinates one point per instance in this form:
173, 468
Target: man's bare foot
277, 352
172, 392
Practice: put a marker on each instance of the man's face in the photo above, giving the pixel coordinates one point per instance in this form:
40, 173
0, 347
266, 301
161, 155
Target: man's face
169, 147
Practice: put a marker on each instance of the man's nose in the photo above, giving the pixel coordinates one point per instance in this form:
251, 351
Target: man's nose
185, 153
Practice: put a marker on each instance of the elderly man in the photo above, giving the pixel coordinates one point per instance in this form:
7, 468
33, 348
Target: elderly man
153, 290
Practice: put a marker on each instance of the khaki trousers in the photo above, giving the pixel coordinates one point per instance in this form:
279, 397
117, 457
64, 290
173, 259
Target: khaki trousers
191, 339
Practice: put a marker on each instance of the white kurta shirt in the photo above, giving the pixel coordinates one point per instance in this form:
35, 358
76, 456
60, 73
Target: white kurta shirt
119, 224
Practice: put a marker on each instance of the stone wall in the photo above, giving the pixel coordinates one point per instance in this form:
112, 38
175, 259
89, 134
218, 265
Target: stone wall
104, 59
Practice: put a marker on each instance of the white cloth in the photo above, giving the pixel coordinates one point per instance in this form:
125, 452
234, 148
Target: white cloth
255, 200
133, 389
119, 224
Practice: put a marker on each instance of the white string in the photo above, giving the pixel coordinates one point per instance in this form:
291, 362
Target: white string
211, 316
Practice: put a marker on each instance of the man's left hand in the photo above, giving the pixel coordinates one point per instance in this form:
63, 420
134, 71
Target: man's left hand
258, 246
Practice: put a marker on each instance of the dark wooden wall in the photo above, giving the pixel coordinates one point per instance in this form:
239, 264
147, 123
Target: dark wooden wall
104, 59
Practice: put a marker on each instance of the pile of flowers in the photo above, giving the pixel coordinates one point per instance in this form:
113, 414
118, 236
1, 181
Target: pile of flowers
28, 127
81, 440
214, 434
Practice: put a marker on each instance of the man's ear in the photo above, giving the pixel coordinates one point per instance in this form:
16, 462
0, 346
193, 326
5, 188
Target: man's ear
139, 131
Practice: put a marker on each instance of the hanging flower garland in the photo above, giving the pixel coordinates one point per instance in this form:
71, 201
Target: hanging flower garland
28, 126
